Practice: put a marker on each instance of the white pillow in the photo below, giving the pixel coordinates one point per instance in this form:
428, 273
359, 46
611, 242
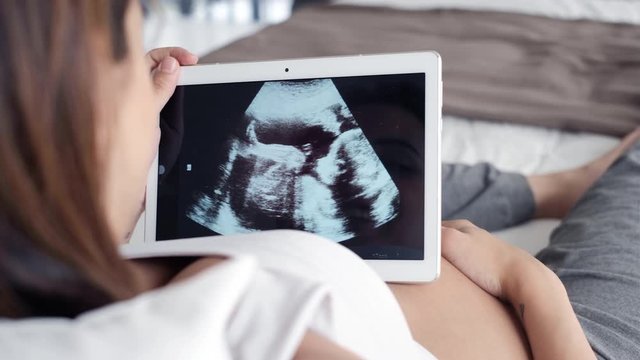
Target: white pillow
624, 11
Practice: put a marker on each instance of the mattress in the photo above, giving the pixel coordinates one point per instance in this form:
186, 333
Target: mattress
510, 147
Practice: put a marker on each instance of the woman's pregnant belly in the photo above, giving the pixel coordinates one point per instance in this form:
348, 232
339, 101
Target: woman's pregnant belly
456, 319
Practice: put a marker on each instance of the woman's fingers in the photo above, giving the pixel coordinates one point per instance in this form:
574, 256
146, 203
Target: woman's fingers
164, 64
483, 258
464, 226
184, 56
165, 78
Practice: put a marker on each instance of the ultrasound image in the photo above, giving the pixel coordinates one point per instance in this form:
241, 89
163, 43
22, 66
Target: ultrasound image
302, 162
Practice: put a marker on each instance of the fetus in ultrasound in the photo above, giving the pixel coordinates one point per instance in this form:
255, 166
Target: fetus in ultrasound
300, 162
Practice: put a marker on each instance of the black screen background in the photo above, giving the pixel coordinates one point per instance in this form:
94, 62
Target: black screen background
211, 114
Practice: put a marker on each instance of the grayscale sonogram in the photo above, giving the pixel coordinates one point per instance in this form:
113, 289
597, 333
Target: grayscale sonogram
303, 163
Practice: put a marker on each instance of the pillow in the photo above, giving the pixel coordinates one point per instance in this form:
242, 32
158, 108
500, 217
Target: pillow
622, 11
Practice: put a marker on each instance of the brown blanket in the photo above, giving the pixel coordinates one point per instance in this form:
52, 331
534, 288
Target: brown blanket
579, 75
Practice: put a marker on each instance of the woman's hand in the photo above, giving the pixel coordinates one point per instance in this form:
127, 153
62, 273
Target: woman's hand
164, 65
486, 260
513, 275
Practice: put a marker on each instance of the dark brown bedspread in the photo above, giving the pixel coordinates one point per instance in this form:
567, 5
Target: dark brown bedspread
579, 75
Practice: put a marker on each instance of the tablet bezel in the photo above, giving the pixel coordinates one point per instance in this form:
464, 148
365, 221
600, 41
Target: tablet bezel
428, 63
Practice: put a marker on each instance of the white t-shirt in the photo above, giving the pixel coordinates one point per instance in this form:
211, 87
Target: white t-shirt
256, 305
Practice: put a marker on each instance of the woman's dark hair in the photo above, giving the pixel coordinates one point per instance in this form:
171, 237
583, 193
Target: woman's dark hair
57, 254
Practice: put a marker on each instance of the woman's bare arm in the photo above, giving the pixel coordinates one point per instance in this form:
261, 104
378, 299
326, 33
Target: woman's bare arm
543, 307
534, 291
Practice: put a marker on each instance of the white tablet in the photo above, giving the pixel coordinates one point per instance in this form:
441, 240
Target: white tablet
344, 147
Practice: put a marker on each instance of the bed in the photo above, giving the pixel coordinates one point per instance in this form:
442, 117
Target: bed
508, 142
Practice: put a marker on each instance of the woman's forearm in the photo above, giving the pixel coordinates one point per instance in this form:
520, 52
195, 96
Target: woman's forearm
547, 316
535, 292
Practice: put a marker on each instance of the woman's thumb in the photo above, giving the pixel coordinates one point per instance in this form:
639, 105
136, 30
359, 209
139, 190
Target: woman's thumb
165, 78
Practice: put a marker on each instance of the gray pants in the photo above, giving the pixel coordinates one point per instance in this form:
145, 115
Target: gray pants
595, 251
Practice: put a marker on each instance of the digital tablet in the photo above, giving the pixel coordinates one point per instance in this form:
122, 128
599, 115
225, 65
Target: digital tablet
347, 148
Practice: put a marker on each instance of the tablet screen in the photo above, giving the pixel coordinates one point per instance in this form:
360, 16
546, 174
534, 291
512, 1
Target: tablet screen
339, 157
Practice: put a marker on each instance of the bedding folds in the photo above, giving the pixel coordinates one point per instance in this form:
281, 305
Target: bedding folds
567, 74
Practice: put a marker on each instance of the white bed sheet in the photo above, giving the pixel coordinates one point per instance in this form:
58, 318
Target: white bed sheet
520, 148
